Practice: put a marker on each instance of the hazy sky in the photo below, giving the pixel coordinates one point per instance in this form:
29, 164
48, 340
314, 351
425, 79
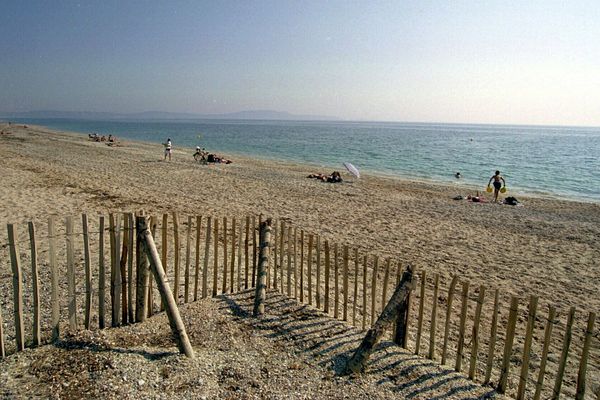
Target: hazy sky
530, 62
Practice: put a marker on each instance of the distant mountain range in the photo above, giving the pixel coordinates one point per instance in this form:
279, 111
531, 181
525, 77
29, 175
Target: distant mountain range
163, 115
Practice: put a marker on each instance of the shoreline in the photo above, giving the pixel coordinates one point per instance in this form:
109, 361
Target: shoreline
449, 181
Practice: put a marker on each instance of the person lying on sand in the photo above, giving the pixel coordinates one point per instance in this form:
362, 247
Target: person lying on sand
477, 198
335, 177
213, 158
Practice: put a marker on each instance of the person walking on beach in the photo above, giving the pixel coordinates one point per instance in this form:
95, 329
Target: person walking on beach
168, 149
499, 182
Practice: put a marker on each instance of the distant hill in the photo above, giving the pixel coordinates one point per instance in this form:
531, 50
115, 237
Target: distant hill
164, 115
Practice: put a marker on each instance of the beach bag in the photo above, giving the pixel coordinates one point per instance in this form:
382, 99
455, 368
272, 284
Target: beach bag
511, 201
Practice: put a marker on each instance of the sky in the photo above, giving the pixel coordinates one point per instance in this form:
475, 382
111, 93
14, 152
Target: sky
505, 62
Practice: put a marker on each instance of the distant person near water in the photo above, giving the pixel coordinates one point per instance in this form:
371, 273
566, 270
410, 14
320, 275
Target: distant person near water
457, 175
168, 149
499, 182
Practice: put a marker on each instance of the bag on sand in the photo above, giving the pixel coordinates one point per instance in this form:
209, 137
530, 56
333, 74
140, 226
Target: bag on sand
511, 201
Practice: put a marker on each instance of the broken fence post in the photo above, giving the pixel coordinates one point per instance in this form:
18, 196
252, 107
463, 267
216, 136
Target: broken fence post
358, 361
175, 321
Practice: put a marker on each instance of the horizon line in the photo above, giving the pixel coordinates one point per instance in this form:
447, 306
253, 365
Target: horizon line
223, 116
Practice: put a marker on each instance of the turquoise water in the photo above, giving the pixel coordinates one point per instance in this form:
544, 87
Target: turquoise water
555, 161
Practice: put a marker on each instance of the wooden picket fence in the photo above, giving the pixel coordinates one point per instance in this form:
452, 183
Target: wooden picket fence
526, 353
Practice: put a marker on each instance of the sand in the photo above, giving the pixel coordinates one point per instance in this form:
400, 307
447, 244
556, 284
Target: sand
547, 247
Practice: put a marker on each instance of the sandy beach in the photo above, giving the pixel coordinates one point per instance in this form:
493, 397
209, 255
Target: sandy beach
546, 247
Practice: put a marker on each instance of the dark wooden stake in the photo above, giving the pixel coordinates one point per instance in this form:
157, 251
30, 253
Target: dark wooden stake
359, 359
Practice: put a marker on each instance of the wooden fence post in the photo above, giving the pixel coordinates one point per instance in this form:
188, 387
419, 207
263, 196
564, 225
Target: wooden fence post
326, 299
197, 272
475, 333
281, 254
433, 327
547, 336
254, 251
421, 308
301, 266
364, 295
580, 394
164, 248
374, 289
274, 248
345, 284
188, 244
215, 258
101, 276
289, 261
564, 355
239, 256
123, 268
448, 315
246, 253
492, 343
176, 267
88, 271
142, 276
309, 270
115, 271
261, 283
37, 337
206, 258
527, 347
403, 318
17, 287
461, 331
398, 277
150, 301
232, 264
295, 262
54, 298
318, 276
355, 286
130, 286
71, 275
177, 327
510, 336
336, 282
359, 359
386, 278
224, 289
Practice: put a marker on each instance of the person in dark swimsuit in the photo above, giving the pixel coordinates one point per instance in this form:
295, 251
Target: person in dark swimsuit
499, 182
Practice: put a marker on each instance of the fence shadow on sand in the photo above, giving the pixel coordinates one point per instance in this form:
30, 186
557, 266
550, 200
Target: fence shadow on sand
331, 342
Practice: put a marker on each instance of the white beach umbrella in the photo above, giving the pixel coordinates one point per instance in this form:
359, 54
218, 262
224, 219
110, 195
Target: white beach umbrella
352, 169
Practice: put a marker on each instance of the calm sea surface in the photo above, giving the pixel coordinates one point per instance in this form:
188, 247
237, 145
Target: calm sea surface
554, 161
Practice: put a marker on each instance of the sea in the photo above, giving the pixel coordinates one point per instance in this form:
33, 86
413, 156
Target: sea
546, 161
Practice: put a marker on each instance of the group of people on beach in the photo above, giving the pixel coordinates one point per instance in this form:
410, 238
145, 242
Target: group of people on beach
97, 138
201, 155
497, 181
204, 157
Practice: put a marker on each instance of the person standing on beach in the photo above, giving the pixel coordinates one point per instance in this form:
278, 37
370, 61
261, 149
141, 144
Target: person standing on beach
168, 149
497, 178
